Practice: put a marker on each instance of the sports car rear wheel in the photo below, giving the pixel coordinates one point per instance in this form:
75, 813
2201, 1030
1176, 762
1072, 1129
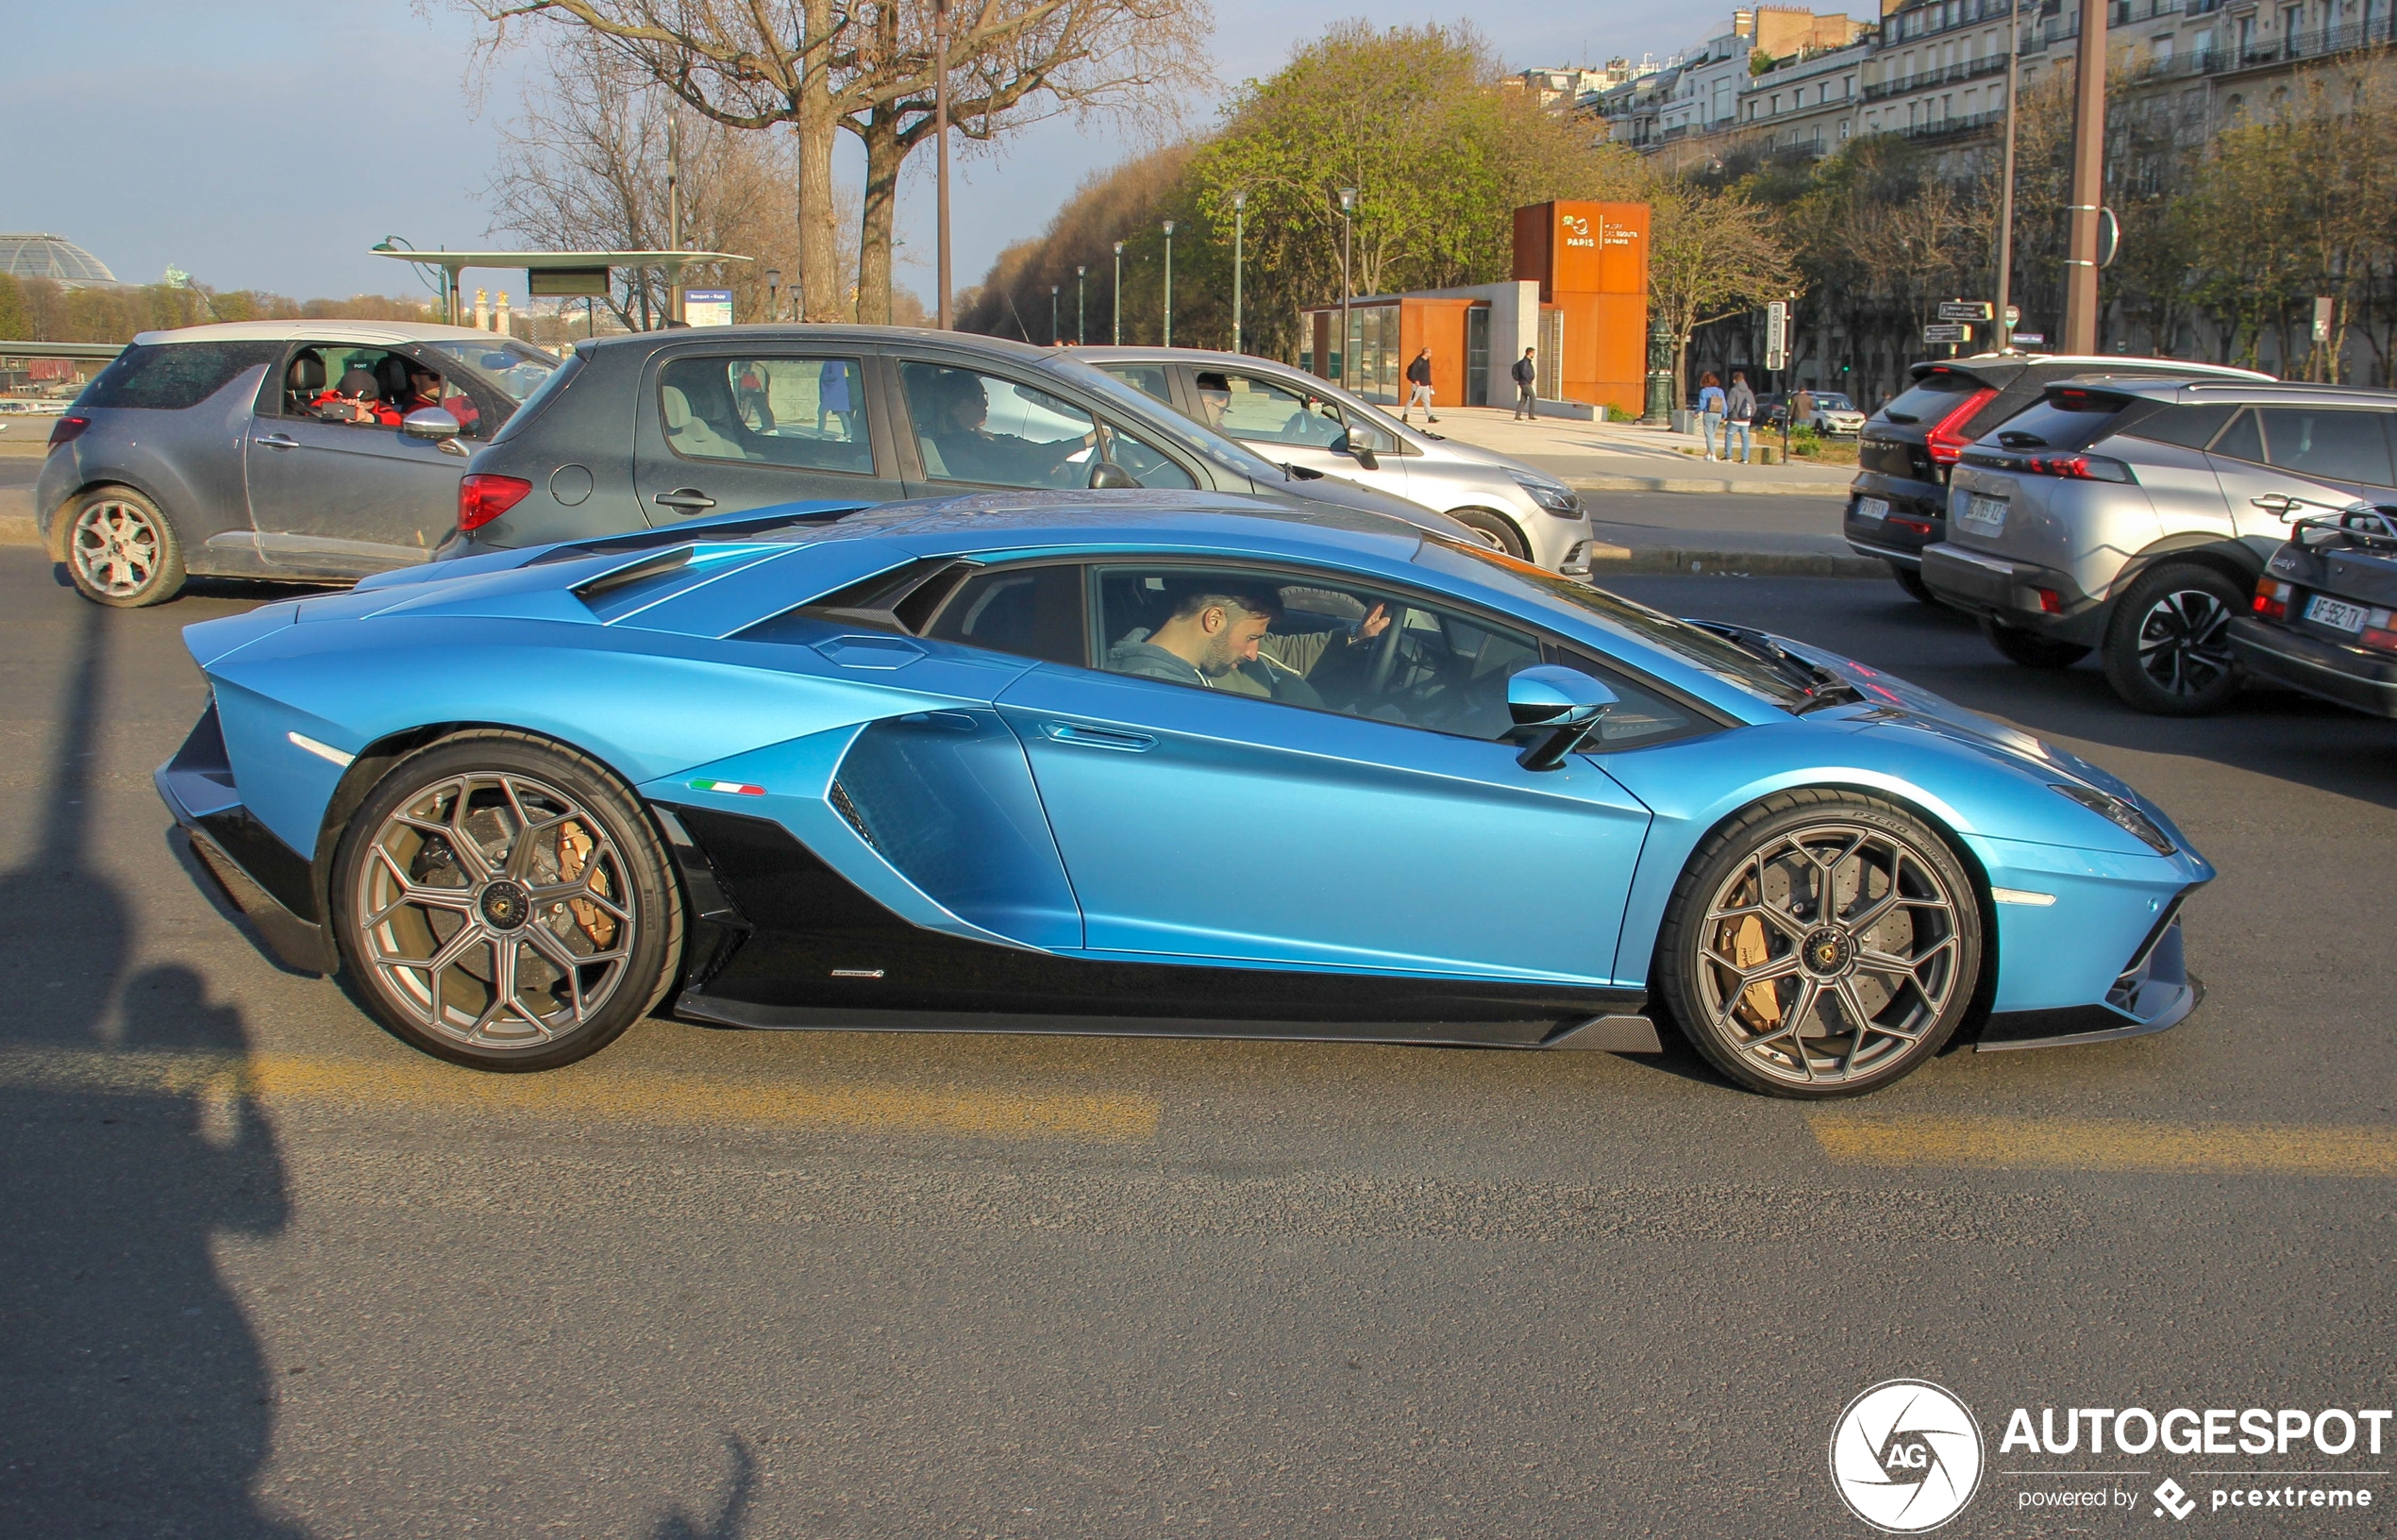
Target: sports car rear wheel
503, 902
1823, 943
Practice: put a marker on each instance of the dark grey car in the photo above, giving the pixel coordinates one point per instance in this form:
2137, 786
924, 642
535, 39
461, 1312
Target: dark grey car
272, 449
646, 430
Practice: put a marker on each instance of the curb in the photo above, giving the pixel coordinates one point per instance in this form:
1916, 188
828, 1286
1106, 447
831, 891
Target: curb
1646, 561
17, 530
1700, 484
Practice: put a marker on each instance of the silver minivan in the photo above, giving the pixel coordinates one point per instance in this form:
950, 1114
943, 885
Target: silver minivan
1312, 425
2135, 517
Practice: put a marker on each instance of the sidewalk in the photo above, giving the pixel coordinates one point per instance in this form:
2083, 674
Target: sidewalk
1624, 457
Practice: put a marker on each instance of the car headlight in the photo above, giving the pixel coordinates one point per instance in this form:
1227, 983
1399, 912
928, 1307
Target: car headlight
1554, 496
2118, 812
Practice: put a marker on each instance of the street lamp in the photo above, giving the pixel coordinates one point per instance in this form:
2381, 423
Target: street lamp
1119, 294
1170, 283
1053, 315
772, 286
1081, 333
1347, 211
1239, 232
940, 130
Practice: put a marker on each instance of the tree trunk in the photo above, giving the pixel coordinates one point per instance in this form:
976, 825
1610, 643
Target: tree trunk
819, 259
885, 152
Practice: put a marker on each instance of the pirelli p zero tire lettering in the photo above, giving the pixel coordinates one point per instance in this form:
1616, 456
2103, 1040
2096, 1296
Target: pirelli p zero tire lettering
1822, 943
122, 550
503, 902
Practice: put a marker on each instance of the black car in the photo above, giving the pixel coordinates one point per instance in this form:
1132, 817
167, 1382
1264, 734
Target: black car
646, 429
1898, 503
2320, 621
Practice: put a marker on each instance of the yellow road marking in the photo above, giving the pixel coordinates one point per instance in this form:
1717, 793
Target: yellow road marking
2061, 1144
663, 1099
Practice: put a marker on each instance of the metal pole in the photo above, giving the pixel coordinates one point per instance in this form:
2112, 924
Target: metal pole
1053, 315
1119, 294
2088, 182
674, 210
2005, 195
1239, 234
1081, 327
1170, 283
940, 133
1347, 208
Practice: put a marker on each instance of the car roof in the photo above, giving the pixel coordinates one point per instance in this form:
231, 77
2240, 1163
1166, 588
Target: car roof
370, 332
2264, 390
923, 336
2012, 364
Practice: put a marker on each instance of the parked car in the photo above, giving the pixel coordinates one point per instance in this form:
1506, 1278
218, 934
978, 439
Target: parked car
2135, 517
1898, 503
2321, 620
661, 427
1308, 423
1828, 412
1201, 766
232, 451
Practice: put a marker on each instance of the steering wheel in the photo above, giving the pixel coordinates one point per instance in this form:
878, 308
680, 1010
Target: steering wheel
1385, 661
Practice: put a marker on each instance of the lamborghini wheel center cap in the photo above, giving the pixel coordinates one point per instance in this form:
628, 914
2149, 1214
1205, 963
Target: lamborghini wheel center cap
1827, 952
505, 904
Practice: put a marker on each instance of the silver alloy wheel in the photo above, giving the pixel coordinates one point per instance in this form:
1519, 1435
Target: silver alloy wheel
115, 546
495, 910
2184, 642
1828, 953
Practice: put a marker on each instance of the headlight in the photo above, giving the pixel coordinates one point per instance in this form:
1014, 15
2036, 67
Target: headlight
2115, 810
1554, 496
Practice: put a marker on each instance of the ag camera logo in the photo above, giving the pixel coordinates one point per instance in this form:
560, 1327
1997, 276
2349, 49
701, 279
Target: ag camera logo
1905, 1456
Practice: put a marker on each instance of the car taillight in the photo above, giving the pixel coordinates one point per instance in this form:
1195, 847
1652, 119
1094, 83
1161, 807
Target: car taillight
67, 429
2073, 467
483, 498
1946, 439
2271, 598
2377, 633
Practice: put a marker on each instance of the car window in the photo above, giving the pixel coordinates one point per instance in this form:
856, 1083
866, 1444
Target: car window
2335, 445
2243, 440
174, 376
1144, 461
1029, 611
514, 368
801, 412
1319, 640
989, 429
1166, 423
1641, 715
1147, 379
1266, 411
351, 385
1931, 397
2191, 427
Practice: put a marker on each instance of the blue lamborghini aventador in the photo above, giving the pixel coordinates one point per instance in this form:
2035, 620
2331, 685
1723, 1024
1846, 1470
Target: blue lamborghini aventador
1149, 763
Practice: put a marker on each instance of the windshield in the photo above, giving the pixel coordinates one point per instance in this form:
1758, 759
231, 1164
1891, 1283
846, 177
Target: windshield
1166, 421
1701, 649
1833, 401
516, 368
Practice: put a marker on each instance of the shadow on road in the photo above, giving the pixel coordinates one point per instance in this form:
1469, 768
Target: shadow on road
134, 1398
732, 1517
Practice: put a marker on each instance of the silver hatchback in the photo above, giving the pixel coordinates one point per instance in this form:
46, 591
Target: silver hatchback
1315, 427
2133, 516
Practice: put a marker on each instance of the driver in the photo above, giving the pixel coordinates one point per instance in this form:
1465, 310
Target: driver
1211, 630
425, 390
972, 451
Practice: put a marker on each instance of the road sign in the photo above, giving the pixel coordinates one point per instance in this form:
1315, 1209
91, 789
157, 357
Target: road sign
1777, 335
2029, 338
2323, 305
707, 306
1956, 334
1965, 310
2013, 313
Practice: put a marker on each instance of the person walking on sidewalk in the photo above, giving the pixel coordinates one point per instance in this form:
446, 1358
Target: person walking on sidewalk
1526, 379
1418, 375
1739, 410
1710, 410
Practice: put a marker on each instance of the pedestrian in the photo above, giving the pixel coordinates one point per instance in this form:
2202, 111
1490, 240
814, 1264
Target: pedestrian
1710, 410
1418, 375
1739, 410
1526, 379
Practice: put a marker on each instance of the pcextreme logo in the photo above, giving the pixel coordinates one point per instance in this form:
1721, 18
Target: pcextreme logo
1905, 1456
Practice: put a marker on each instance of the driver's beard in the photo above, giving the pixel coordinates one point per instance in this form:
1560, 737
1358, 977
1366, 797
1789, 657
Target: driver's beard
1220, 658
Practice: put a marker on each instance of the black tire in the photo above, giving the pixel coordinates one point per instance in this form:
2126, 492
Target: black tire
2029, 648
1910, 578
2168, 647
1874, 1023
121, 550
561, 894
1499, 531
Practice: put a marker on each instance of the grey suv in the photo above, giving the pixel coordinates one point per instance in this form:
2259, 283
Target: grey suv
2136, 517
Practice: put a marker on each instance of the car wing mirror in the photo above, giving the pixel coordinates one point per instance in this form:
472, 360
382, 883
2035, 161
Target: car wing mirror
1565, 703
431, 423
1109, 476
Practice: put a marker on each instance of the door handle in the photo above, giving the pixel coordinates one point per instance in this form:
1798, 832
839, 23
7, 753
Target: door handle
1081, 737
2276, 502
689, 499
278, 441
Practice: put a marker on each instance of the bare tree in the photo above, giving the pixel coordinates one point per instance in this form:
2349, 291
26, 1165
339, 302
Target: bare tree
1710, 255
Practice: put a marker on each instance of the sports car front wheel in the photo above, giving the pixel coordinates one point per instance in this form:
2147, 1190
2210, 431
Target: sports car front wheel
1822, 943
503, 903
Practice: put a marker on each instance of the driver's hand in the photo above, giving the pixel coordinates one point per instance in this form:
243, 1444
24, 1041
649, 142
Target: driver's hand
1376, 621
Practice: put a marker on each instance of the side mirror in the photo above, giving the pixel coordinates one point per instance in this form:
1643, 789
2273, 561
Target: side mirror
1109, 476
1565, 701
431, 423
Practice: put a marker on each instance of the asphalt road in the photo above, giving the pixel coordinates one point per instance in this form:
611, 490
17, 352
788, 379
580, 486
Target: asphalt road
265, 1272
1732, 521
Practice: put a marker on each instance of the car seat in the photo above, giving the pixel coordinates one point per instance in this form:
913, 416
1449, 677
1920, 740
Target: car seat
391, 373
690, 434
302, 382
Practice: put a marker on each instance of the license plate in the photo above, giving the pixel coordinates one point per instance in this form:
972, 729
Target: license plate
1985, 514
2337, 613
1873, 508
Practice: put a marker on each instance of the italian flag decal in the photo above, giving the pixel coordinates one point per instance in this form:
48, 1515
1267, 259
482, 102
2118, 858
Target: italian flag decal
736, 788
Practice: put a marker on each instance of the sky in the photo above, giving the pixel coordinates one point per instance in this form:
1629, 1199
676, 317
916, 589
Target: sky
267, 145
